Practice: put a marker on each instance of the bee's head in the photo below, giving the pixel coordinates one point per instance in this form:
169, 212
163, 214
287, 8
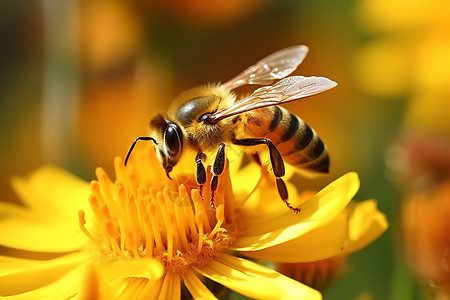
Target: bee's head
169, 139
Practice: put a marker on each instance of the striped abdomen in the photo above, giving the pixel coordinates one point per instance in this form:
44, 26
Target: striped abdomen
298, 144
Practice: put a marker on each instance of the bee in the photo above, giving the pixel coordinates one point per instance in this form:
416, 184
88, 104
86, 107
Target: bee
209, 117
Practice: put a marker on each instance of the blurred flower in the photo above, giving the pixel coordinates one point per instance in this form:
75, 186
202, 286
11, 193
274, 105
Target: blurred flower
419, 160
142, 234
410, 56
420, 164
426, 224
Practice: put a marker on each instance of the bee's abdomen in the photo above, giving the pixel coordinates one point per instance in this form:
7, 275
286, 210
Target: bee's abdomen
298, 144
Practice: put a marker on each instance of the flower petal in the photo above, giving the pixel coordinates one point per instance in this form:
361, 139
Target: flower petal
131, 279
19, 275
140, 268
130, 289
49, 223
317, 244
171, 288
27, 233
152, 289
66, 287
315, 212
366, 223
51, 190
255, 281
264, 201
197, 289
350, 231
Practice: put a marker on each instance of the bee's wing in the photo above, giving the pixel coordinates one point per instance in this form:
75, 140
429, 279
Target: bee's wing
286, 90
275, 66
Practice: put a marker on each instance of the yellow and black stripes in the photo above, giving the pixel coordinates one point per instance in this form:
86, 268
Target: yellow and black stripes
299, 144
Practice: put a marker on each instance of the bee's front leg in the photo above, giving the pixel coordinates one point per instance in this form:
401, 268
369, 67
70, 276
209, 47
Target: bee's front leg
200, 173
218, 166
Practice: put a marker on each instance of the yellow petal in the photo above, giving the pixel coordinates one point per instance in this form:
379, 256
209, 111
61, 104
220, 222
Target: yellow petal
350, 231
265, 201
315, 212
65, 287
197, 289
26, 233
235, 155
171, 288
51, 191
130, 279
317, 244
49, 222
366, 223
252, 172
255, 281
152, 289
10, 209
141, 268
22, 275
132, 287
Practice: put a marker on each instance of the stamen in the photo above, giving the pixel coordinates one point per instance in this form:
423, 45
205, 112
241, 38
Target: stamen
133, 244
133, 215
181, 219
149, 239
169, 201
170, 234
162, 215
97, 192
106, 185
113, 235
105, 212
200, 209
157, 235
220, 216
123, 235
82, 222
141, 215
199, 222
119, 169
189, 213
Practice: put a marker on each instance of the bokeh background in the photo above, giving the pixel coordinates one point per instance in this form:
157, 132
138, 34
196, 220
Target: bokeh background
81, 78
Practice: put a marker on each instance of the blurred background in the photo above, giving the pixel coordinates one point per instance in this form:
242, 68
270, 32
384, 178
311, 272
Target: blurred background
80, 80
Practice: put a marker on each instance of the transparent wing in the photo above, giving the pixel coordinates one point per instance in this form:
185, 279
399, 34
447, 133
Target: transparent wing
275, 66
286, 90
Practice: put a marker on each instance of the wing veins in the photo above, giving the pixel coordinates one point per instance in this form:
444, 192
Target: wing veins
286, 90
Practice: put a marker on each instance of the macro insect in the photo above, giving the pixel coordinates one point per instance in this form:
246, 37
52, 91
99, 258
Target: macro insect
209, 117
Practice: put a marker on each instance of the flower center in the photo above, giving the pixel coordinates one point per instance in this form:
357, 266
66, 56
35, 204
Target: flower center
137, 217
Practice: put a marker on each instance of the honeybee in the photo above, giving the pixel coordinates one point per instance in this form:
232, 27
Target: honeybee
208, 117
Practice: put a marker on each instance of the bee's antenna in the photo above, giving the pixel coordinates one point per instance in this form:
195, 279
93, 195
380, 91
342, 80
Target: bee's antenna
142, 138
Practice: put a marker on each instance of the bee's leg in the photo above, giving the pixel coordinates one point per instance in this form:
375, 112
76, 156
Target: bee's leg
218, 166
200, 173
277, 165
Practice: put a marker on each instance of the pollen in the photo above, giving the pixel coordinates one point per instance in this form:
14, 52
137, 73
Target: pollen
142, 214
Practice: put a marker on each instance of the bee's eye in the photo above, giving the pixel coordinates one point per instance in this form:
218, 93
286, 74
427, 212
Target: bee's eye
172, 139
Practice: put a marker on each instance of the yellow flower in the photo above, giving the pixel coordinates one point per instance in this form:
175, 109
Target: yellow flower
143, 236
